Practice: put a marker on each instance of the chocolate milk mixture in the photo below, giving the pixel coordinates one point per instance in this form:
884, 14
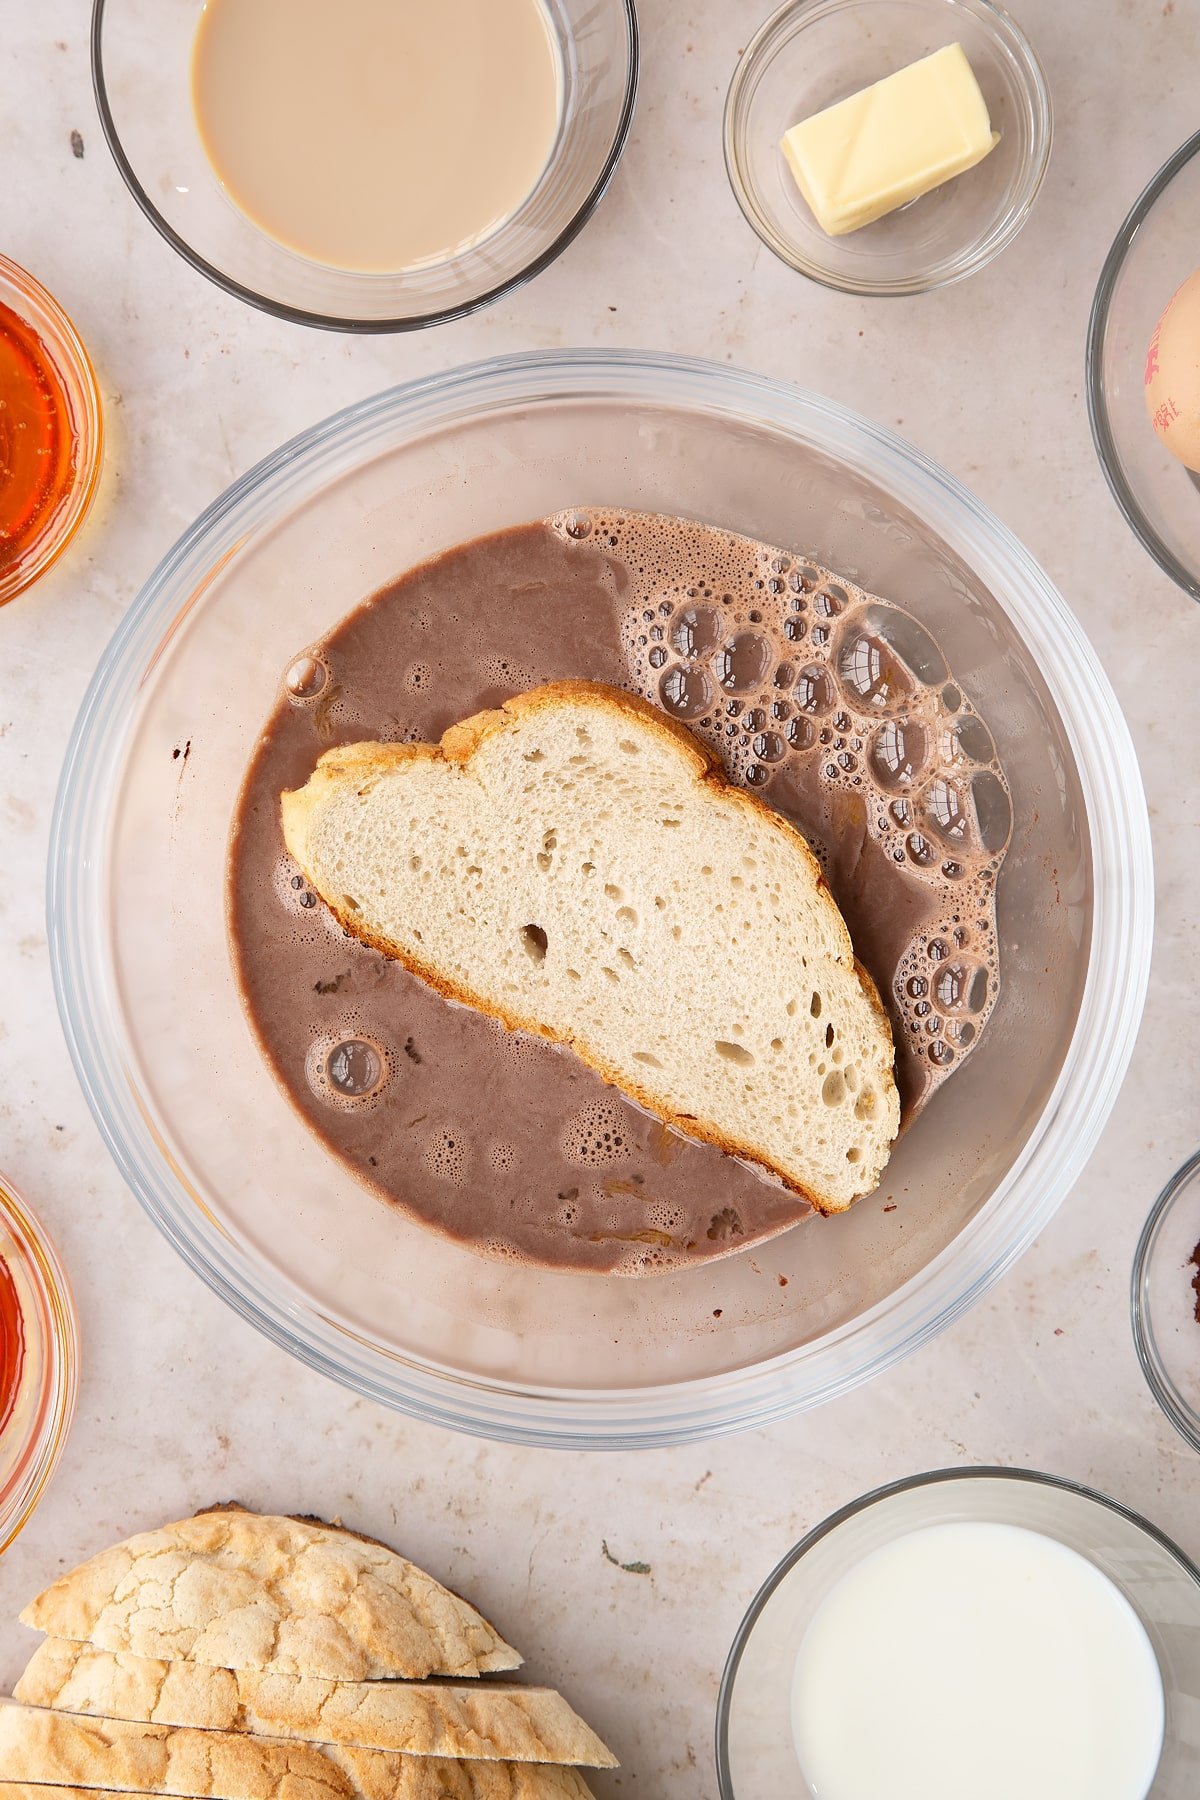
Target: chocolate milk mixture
834, 707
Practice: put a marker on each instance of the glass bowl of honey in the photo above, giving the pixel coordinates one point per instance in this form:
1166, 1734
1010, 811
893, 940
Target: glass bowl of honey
51, 433
39, 1362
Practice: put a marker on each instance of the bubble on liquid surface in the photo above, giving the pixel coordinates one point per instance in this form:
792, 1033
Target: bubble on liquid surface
814, 692
898, 753
354, 1068
945, 810
972, 740
871, 672
741, 664
696, 632
993, 810
305, 678
907, 640
686, 693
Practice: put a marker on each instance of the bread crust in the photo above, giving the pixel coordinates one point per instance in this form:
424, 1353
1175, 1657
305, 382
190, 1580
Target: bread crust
240, 1589
458, 745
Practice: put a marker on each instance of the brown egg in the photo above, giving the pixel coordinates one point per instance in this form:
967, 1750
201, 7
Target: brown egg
1173, 375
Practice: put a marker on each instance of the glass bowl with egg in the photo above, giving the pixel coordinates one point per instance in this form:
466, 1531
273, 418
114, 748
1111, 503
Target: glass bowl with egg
812, 54
1138, 362
223, 1161
970, 1631
371, 167
39, 1362
1165, 1300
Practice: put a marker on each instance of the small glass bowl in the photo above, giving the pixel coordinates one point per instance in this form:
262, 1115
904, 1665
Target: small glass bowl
35, 1430
1156, 249
141, 71
813, 53
1166, 1329
35, 307
756, 1759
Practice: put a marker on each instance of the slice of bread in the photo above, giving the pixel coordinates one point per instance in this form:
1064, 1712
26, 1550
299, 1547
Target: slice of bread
245, 1590
577, 865
54, 1750
494, 1720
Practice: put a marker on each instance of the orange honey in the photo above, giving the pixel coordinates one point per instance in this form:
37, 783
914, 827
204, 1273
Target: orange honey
38, 443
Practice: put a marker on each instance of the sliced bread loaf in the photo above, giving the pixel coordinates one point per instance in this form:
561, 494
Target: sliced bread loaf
491, 1720
577, 865
245, 1590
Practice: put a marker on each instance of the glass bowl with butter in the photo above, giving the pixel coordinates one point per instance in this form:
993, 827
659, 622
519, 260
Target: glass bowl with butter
923, 225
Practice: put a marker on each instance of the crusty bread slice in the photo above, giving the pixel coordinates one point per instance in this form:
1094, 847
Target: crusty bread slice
577, 865
245, 1590
489, 1719
54, 1750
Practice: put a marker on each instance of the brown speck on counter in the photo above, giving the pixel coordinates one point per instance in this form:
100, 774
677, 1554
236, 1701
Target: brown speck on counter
717, 1311
782, 1280
630, 1568
77, 145
1194, 1261
890, 1207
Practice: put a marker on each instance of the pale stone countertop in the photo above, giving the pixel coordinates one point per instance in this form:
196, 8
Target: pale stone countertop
180, 1402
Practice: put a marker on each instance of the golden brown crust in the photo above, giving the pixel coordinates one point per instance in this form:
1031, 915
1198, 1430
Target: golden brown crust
245, 1590
458, 745
493, 1720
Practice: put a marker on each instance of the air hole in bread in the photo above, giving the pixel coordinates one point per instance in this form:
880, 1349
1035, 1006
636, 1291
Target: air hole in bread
611, 892
628, 746
854, 1154
830, 1034
574, 974
660, 903
535, 756
864, 1106
414, 863
543, 861
611, 973
706, 868
588, 868
834, 1090
533, 942
734, 1053
814, 1005
627, 913
670, 822
583, 736
790, 1009
623, 956
351, 902
646, 1057
777, 1043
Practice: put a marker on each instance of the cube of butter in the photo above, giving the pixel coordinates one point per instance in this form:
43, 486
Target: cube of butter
891, 142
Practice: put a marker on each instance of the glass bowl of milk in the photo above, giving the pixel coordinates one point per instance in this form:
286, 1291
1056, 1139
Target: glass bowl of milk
974, 1632
374, 166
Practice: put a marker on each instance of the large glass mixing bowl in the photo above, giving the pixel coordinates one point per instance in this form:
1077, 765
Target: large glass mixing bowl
195, 1120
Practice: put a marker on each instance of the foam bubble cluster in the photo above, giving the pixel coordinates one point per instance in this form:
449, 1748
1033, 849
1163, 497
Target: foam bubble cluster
785, 669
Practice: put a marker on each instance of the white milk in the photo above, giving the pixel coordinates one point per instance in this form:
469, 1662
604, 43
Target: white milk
977, 1662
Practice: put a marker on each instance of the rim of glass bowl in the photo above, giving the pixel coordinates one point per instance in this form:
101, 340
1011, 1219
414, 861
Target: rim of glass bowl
60, 1378
1018, 48
1043, 1172
1185, 1418
328, 321
67, 351
1098, 417
975, 1472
